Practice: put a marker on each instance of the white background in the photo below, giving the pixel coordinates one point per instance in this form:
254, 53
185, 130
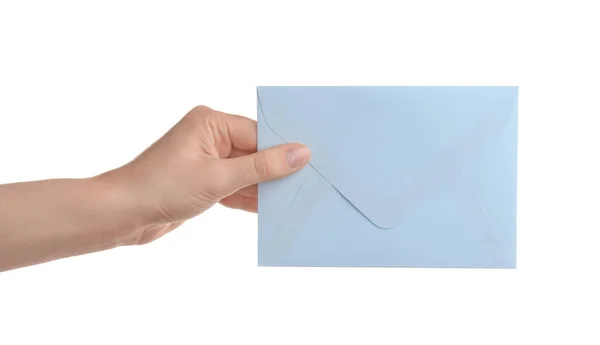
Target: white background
84, 88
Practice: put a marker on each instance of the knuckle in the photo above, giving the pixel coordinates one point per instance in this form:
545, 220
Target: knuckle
201, 109
199, 112
262, 166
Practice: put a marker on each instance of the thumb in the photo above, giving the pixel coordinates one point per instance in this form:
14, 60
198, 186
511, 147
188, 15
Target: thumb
270, 164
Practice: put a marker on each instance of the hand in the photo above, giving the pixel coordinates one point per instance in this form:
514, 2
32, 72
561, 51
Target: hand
206, 158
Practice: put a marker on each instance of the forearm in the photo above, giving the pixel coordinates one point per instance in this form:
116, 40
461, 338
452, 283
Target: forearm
52, 219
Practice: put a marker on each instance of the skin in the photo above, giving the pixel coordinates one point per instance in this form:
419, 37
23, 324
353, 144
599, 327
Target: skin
208, 157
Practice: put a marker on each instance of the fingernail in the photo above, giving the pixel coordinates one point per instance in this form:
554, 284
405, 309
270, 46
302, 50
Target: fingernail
297, 156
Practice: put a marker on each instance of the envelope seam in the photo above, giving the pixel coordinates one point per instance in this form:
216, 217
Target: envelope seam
284, 215
485, 212
262, 113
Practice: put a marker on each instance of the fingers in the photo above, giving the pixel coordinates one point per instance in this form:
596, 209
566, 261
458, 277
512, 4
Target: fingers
241, 202
235, 152
271, 164
242, 132
251, 191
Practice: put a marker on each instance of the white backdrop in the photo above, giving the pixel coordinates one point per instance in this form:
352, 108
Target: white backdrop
84, 88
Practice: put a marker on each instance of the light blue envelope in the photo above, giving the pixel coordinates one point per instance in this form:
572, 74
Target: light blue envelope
399, 176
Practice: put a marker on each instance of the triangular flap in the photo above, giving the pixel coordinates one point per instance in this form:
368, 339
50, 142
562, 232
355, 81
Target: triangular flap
387, 149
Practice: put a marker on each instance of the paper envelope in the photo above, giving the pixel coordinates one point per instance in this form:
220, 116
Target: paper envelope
399, 176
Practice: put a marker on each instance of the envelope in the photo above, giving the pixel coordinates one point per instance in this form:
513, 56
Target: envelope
399, 177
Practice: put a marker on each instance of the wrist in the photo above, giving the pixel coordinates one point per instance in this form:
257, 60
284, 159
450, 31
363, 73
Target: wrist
127, 214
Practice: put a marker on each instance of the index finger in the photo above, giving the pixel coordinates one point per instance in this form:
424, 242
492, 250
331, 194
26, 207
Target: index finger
242, 132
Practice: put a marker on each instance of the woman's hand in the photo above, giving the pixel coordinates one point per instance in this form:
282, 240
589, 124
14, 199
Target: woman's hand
206, 158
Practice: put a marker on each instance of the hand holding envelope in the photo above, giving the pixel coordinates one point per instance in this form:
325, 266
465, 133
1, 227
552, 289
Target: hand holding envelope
399, 176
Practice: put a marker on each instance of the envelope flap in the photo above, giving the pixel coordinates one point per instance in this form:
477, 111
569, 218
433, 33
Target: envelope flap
386, 149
